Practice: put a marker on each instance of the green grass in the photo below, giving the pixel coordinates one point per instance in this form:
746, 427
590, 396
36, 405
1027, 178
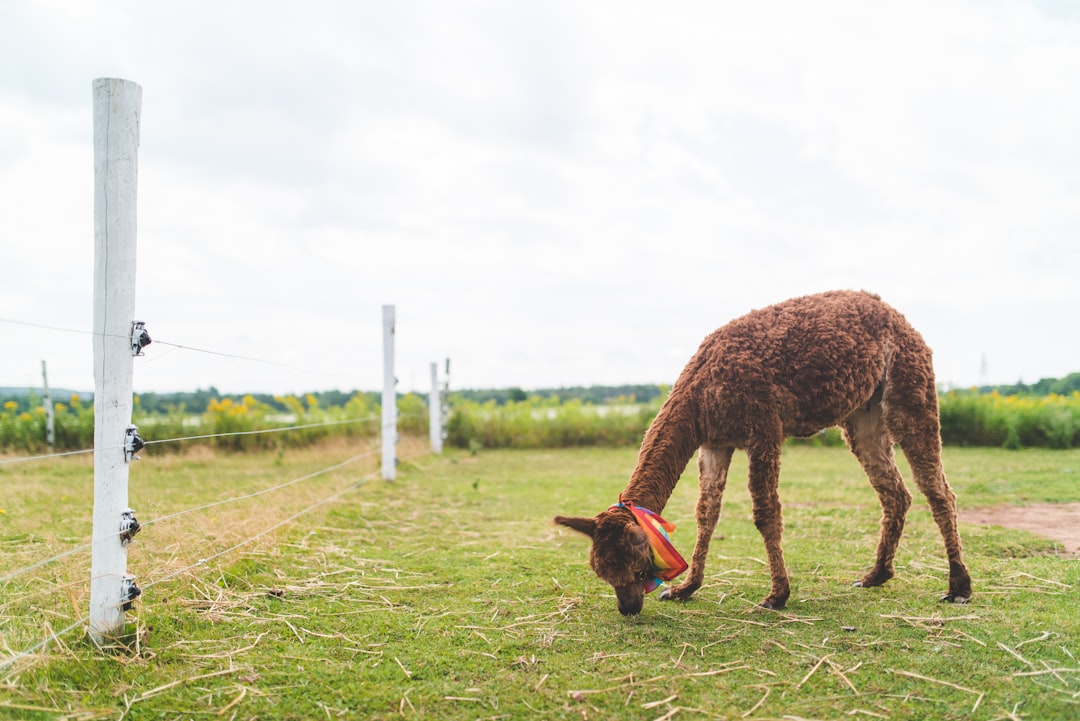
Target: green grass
449, 594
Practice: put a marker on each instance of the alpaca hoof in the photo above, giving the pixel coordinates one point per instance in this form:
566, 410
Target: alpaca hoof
955, 598
678, 593
873, 579
775, 601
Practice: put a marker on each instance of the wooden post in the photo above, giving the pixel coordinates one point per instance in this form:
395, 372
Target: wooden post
117, 106
50, 419
389, 398
435, 411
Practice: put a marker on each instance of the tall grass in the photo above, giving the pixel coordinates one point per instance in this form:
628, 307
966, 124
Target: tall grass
225, 424
24, 430
968, 418
548, 423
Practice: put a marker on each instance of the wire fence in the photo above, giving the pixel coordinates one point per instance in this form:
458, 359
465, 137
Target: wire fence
23, 434
14, 658
45, 597
170, 344
199, 437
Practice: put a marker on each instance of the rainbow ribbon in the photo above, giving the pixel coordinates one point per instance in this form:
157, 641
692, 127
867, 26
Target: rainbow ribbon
667, 563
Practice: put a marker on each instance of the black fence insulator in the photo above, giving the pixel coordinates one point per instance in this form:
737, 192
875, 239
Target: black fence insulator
140, 338
130, 593
129, 526
132, 443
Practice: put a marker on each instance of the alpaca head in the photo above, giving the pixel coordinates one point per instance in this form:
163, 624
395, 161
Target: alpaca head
620, 555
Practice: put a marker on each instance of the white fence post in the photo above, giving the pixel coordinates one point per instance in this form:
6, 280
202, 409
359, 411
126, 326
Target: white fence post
117, 106
389, 398
444, 407
50, 419
435, 411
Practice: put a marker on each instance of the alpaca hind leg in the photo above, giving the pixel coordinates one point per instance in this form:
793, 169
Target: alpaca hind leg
712, 478
923, 451
869, 440
764, 479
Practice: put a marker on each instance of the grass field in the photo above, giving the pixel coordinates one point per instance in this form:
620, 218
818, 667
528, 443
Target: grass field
449, 594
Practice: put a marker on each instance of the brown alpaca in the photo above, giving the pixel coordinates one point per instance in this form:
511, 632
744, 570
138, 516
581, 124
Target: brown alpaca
839, 358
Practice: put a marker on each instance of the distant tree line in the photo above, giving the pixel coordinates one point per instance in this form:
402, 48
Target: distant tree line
596, 395
197, 401
593, 395
1046, 386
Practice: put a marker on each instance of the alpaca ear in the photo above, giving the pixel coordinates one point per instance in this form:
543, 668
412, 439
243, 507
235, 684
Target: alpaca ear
581, 525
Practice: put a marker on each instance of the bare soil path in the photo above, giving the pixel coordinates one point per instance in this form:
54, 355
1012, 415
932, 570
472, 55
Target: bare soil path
1059, 521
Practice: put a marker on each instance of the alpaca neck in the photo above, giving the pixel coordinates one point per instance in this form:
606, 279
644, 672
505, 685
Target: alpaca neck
669, 445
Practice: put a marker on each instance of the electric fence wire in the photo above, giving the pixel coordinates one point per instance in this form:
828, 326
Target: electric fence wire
24, 459
20, 571
279, 429
203, 561
309, 476
276, 429
44, 456
175, 346
14, 656
55, 635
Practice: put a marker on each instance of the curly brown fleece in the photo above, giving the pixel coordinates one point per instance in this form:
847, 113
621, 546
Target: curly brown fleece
839, 358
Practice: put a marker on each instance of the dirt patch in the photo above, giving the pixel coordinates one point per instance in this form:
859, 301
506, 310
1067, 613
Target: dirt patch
1059, 521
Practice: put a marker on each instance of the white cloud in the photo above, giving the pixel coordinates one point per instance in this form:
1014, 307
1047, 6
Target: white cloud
550, 193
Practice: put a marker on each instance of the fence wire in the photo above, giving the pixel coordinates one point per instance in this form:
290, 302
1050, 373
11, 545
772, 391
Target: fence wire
174, 346
260, 431
55, 636
281, 429
20, 571
44, 456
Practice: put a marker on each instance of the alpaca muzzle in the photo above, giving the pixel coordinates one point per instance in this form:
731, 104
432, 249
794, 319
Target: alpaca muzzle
631, 599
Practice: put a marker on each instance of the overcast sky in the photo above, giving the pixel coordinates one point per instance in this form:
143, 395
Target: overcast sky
550, 193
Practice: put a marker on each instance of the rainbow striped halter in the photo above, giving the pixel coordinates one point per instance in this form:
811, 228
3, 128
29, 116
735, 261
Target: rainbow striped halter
667, 563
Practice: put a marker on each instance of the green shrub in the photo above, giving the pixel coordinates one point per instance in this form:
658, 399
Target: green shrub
412, 414
548, 423
968, 418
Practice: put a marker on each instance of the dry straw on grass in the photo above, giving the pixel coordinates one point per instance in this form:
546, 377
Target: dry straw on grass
447, 594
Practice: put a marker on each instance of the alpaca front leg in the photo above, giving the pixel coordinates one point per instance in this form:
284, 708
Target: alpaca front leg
712, 469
